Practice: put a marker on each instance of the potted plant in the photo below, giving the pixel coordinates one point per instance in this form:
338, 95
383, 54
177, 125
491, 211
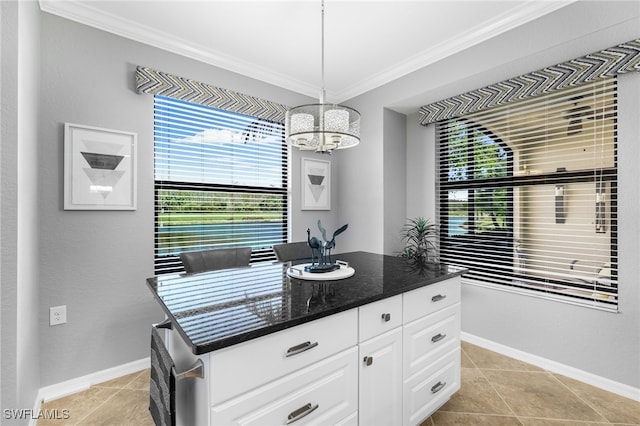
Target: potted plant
420, 236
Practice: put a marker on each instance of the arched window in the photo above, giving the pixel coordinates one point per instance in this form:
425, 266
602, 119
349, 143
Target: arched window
528, 195
474, 156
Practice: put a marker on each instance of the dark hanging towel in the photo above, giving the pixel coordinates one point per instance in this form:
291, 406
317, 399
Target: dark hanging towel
162, 387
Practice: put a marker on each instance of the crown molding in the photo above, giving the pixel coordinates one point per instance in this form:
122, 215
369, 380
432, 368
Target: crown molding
476, 35
84, 13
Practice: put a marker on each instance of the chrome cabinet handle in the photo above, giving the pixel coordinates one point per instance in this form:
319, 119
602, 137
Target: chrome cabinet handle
438, 337
295, 350
368, 360
300, 413
438, 297
438, 387
386, 317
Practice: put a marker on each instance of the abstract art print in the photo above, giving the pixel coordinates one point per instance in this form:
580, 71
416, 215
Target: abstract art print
316, 184
99, 168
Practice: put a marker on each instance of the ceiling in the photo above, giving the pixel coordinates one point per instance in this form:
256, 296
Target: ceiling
367, 43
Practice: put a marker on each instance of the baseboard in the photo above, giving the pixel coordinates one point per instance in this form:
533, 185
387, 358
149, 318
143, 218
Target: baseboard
79, 384
556, 367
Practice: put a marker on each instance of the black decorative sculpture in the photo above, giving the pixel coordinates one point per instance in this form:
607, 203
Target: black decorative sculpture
315, 245
323, 249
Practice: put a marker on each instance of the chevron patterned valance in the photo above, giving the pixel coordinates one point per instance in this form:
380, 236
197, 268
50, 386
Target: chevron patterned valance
605, 63
155, 82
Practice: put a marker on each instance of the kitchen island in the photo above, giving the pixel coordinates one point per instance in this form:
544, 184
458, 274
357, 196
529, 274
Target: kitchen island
381, 346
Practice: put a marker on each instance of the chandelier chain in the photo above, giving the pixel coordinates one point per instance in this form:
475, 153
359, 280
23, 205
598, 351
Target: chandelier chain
322, 51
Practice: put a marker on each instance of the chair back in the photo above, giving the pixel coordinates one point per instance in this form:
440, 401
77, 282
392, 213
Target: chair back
292, 251
210, 260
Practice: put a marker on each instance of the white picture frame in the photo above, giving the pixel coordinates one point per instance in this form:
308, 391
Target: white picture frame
316, 184
99, 168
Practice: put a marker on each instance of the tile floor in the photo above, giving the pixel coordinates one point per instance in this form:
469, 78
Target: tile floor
496, 391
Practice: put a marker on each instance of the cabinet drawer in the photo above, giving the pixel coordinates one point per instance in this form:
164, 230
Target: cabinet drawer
429, 299
427, 390
429, 338
251, 364
324, 393
379, 317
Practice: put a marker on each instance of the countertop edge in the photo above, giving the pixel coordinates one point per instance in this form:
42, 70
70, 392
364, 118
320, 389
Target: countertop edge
201, 349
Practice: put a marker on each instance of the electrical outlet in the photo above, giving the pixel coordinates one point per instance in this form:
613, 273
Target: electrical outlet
57, 315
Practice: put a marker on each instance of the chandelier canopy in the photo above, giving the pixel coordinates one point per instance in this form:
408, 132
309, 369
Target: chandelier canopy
322, 127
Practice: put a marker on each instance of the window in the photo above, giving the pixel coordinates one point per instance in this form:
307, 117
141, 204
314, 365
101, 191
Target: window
527, 195
220, 181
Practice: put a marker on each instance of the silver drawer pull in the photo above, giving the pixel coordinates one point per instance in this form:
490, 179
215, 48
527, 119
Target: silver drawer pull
368, 360
386, 317
295, 350
438, 337
438, 387
300, 413
438, 297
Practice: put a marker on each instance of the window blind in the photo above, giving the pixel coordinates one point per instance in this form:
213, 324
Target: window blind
528, 194
220, 181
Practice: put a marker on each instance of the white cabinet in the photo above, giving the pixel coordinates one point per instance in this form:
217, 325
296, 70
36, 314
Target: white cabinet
379, 317
429, 338
430, 388
431, 348
391, 362
322, 393
307, 374
380, 381
409, 354
240, 368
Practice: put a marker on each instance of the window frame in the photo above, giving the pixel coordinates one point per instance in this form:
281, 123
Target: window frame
470, 184
510, 182
165, 264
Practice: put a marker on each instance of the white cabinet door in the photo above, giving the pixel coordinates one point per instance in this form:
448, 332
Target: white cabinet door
380, 396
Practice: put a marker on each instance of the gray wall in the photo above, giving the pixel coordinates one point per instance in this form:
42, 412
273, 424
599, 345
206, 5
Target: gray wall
421, 170
19, 73
601, 343
395, 178
361, 187
8, 200
96, 262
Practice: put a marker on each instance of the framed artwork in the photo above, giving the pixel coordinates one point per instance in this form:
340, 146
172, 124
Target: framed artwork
316, 184
99, 168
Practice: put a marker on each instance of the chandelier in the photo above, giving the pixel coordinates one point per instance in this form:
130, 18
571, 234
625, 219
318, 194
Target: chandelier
322, 127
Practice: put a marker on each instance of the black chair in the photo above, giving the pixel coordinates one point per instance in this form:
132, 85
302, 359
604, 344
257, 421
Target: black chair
292, 251
210, 260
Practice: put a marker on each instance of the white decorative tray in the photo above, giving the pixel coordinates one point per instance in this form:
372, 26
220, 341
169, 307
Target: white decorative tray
297, 271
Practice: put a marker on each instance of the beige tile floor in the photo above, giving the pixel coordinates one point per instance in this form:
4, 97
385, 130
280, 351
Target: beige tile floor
496, 391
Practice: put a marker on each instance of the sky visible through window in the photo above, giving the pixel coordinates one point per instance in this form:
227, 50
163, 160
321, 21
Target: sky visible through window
205, 145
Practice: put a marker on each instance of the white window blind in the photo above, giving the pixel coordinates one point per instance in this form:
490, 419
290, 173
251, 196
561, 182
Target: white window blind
220, 181
528, 195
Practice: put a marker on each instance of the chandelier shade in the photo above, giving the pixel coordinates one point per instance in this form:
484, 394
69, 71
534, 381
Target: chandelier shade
322, 127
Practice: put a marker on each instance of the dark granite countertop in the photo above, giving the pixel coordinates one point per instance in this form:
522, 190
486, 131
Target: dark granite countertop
213, 310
